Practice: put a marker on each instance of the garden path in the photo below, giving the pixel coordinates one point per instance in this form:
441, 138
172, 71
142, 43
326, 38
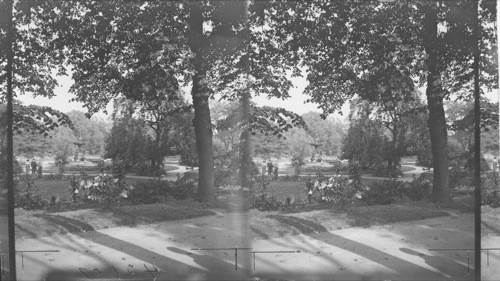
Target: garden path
393, 251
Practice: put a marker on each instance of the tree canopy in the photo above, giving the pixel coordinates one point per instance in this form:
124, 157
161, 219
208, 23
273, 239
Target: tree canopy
357, 48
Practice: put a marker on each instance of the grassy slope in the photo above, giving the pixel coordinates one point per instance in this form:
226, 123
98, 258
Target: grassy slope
490, 218
43, 223
50, 188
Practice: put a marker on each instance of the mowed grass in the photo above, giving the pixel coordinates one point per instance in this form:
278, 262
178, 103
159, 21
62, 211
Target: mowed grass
297, 189
47, 189
61, 188
490, 219
41, 223
385, 214
283, 189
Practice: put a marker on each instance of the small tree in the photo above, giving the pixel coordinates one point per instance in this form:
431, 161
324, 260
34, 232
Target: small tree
298, 161
61, 160
63, 147
365, 143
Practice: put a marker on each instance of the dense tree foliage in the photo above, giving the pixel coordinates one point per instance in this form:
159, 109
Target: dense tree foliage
142, 136
460, 121
148, 49
129, 143
365, 143
378, 51
345, 45
89, 131
327, 133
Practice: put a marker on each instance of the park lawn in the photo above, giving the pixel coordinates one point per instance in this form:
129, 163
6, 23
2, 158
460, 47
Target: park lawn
61, 188
366, 216
490, 219
47, 189
283, 189
297, 189
30, 224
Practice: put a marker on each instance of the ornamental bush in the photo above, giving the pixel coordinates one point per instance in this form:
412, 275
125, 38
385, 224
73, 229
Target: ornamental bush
183, 188
266, 202
419, 188
108, 189
489, 193
148, 192
25, 197
339, 189
384, 193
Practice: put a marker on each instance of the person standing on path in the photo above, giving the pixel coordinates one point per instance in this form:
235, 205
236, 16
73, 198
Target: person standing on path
27, 166
33, 166
269, 168
39, 171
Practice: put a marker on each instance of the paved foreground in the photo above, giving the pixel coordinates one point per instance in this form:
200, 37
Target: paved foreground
165, 252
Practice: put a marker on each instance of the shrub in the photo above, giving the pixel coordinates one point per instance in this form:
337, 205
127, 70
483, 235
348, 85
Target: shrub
298, 162
224, 166
183, 188
322, 169
460, 177
18, 170
342, 190
107, 189
339, 166
103, 188
266, 202
354, 171
286, 178
489, 194
148, 192
383, 193
419, 188
386, 172
31, 202
101, 165
339, 189
118, 169
51, 177
25, 198
61, 160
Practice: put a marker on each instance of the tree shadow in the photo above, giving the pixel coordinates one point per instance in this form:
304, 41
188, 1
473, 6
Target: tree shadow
169, 269
442, 264
399, 268
259, 233
214, 265
69, 224
303, 225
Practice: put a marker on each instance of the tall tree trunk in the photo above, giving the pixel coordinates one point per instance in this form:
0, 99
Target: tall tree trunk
395, 152
158, 157
435, 95
202, 121
245, 140
477, 143
11, 261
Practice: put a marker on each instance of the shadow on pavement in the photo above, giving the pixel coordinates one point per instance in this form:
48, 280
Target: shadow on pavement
169, 269
401, 268
442, 264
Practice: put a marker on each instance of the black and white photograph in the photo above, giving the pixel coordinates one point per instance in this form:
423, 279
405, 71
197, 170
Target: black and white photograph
249, 140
